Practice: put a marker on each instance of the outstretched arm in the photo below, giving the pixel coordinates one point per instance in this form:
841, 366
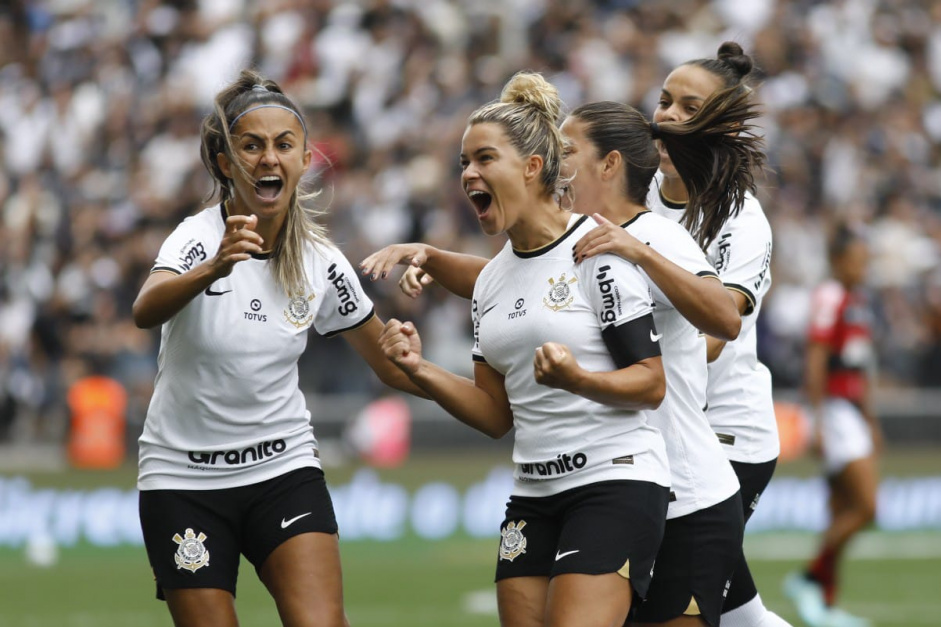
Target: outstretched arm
481, 403
456, 272
164, 294
702, 300
365, 341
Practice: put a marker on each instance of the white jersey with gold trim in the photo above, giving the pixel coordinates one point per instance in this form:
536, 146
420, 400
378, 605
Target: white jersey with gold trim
227, 410
740, 403
700, 473
522, 300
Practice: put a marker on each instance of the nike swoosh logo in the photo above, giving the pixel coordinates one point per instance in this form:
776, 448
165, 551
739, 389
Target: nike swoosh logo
655, 337
287, 523
559, 556
209, 292
485, 311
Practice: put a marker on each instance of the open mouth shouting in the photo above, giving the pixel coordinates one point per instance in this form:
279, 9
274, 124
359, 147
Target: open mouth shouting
481, 200
268, 188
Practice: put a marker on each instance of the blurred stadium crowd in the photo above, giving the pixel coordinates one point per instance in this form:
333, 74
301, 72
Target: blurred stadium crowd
100, 104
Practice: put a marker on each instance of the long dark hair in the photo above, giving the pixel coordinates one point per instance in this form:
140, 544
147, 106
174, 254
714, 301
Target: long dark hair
736, 153
715, 153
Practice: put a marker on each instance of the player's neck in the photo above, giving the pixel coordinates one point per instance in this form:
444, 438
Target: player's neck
622, 211
673, 191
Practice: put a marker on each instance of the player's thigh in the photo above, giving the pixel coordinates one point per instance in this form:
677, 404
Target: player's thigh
846, 435
290, 537
753, 479
201, 607
192, 538
588, 600
305, 579
521, 601
284, 507
857, 484
695, 565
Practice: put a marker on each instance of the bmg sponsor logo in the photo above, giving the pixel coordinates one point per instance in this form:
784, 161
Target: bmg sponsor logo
191, 254
345, 291
610, 296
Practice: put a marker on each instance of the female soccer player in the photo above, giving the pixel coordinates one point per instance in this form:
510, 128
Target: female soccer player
612, 159
730, 225
228, 459
568, 356
838, 360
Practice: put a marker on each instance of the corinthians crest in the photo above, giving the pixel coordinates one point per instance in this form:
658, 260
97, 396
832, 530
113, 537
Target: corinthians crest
298, 312
560, 294
513, 542
192, 553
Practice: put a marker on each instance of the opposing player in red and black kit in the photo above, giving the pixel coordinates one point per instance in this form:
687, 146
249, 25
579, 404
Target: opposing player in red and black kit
838, 361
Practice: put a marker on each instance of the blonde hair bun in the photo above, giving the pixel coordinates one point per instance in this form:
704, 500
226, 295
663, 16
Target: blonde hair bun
530, 88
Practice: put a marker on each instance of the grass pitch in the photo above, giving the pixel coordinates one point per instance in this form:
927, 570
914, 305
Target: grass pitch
891, 578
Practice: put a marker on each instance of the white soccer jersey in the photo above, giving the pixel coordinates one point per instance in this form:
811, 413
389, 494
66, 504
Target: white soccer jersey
700, 473
522, 300
740, 402
226, 409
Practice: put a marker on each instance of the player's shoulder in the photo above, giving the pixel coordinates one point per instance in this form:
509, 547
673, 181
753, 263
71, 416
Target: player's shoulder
208, 220
654, 226
326, 259
750, 221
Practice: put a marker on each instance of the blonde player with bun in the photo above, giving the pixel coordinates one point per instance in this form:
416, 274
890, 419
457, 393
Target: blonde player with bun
568, 356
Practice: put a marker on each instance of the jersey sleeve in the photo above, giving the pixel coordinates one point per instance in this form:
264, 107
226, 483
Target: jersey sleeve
185, 248
741, 254
825, 305
345, 305
616, 289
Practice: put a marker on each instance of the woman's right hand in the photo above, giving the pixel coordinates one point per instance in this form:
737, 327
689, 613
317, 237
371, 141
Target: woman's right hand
608, 237
238, 244
380, 263
402, 345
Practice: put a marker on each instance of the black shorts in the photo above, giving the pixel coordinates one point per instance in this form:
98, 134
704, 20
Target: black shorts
194, 537
604, 527
697, 559
753, 478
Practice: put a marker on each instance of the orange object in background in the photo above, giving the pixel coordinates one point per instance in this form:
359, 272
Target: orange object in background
793, 428
96, 439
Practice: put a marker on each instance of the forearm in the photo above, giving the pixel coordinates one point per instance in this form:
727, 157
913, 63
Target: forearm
636, 387
464, 400
815, 375
456, 272
714, 348
163, 296
395, 378
703, 301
